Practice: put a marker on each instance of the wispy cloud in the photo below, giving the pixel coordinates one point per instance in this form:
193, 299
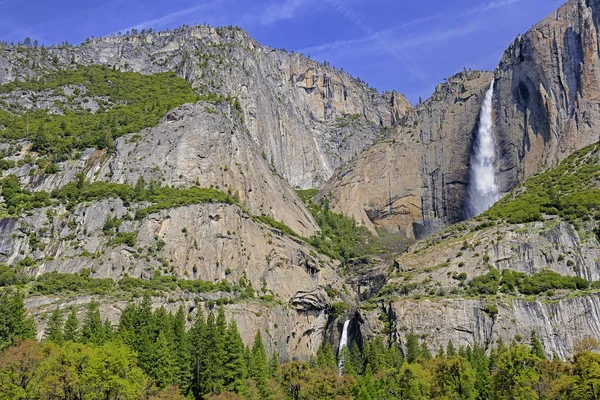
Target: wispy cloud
173, 16
281, 11
387, 40
492, 5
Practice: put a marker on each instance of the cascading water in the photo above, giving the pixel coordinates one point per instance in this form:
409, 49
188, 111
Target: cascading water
343, 343
483, 191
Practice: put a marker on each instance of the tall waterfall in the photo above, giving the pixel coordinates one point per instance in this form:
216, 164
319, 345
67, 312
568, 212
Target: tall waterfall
343, 343
483, 191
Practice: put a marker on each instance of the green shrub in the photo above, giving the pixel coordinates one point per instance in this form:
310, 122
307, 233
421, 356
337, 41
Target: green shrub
569, 191
337, 309
123, 238
139, 101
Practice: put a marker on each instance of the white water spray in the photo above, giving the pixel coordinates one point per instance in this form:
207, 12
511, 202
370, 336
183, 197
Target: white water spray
483, 191
343, 343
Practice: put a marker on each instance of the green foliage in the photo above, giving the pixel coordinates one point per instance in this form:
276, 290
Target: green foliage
124, 238
55, 326
338, 309
512, 282
17, 200
136, 102
280, 226
56, 283
569, 190
340, 237
307, 195
13, 321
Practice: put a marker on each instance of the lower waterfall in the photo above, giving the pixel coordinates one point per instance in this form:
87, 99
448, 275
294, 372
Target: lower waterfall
343, 343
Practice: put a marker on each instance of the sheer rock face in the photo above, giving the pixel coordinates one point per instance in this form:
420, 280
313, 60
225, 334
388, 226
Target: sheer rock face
559, 324
417, 182
295, 108
547, 92
434, 265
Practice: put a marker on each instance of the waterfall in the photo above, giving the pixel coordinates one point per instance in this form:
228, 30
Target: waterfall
343, 343
483, 191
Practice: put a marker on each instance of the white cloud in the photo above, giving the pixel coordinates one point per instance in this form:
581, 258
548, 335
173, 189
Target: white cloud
281, 11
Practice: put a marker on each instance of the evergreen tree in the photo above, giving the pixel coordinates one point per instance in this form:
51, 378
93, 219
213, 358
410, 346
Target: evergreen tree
274, 367
326, 357
181, 351
146, 333
537, 348
197, 351
107, 331
375, 354
413, 350
126, 328
71, 330
54, 328
356, 360
440, 353
92, 329
481, 365
214, 352
450, 350
235, 364
425, 353
13, 322
394, 358
163, 363
259, 365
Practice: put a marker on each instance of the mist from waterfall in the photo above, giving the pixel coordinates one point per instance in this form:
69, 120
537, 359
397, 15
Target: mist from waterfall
343, 343
483, 190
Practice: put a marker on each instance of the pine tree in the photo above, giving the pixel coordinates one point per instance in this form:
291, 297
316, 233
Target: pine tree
536, 346
440, 353
259, 365
107, 331
181, 350
274, 366
450, 350
92, 329
235, 364
326, 357
425, 353
54, 329
214, 353
163, 364
71, 330
395, 359
13, 322
481, 364
356, 359
197, 351
413, 351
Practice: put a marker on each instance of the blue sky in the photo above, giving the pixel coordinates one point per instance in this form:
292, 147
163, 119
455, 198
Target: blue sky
405, 45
